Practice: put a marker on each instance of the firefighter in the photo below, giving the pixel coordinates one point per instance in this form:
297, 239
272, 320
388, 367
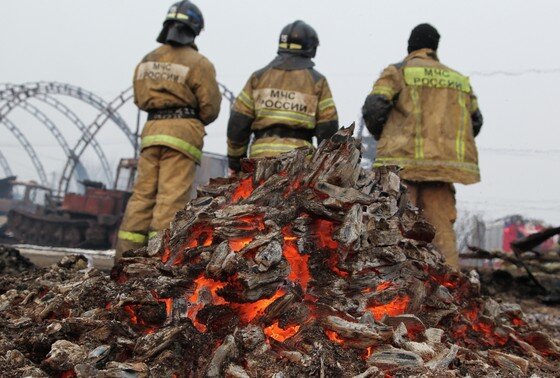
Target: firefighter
425, 117
285, 104
177, 86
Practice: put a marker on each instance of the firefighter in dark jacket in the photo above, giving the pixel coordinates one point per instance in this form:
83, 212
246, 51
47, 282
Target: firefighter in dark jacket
177, 86
285, 104
425, 116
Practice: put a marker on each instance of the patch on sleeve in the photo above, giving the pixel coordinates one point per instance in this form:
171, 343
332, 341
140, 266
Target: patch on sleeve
161, 71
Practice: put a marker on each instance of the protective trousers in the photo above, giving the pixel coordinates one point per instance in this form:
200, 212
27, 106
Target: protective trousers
165, 177
437, 202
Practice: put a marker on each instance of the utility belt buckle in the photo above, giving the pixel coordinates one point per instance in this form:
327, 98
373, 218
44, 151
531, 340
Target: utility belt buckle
176, 113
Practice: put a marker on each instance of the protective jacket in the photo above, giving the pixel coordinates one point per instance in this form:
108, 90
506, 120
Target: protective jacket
177, 86
425, 116
284, 105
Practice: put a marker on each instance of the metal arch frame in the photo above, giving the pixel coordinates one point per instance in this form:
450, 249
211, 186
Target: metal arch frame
5, 165
63, 143
28, 148
227, 94
86, 138
99, 122
14, 94
68, 113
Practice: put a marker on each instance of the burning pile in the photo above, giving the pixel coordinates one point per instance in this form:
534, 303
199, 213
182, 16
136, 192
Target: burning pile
302, 266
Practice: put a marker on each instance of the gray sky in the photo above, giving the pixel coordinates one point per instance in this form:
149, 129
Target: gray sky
96, 44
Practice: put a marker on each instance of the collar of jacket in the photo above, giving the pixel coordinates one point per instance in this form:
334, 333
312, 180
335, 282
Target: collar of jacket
422, 54
190, 45
291, 62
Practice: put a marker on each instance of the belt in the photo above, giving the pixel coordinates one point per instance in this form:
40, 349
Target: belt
173, 113
285, 132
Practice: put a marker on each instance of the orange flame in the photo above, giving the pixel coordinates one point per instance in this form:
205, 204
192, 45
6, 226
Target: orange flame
396, 307
368, 353
249, 311
299, 268
244, 190
200, 235
324, 231
334, 337
383, 286
237, 245
280, 334
213, 286
332, 263
167, 301
166, 255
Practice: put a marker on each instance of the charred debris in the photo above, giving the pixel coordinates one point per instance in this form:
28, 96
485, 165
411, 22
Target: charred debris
304, 265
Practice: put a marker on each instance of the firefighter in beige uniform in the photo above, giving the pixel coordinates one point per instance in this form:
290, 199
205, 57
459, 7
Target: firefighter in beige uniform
285, 104
425, 116
177, 86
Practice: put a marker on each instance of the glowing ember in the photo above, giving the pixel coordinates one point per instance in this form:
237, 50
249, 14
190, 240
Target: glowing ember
237, 245
368, 353
324, 231
213, 286
68, 374
244, 190
332, 263
203, 282
252, 223
249, 311
129, 309
383, 286
280, 334
299, 269
333, 336
396, 307
166, 255
167, 301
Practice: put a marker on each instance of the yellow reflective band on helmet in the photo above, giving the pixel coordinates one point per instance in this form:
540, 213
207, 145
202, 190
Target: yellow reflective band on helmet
152, 234
133, 237
177, 16
274, 148
384, 91
407, 162
246, 99
326, 103
436, 78
290, 46
297, 118
176, 143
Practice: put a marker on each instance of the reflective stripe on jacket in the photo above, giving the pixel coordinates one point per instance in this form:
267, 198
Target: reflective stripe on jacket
175, 77
429, 132
298, 99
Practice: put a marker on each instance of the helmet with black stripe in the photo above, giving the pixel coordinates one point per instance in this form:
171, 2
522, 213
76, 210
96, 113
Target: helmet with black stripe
183, 23
298, 38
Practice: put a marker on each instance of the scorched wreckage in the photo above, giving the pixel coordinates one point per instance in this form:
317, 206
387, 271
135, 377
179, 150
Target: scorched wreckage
301, 266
